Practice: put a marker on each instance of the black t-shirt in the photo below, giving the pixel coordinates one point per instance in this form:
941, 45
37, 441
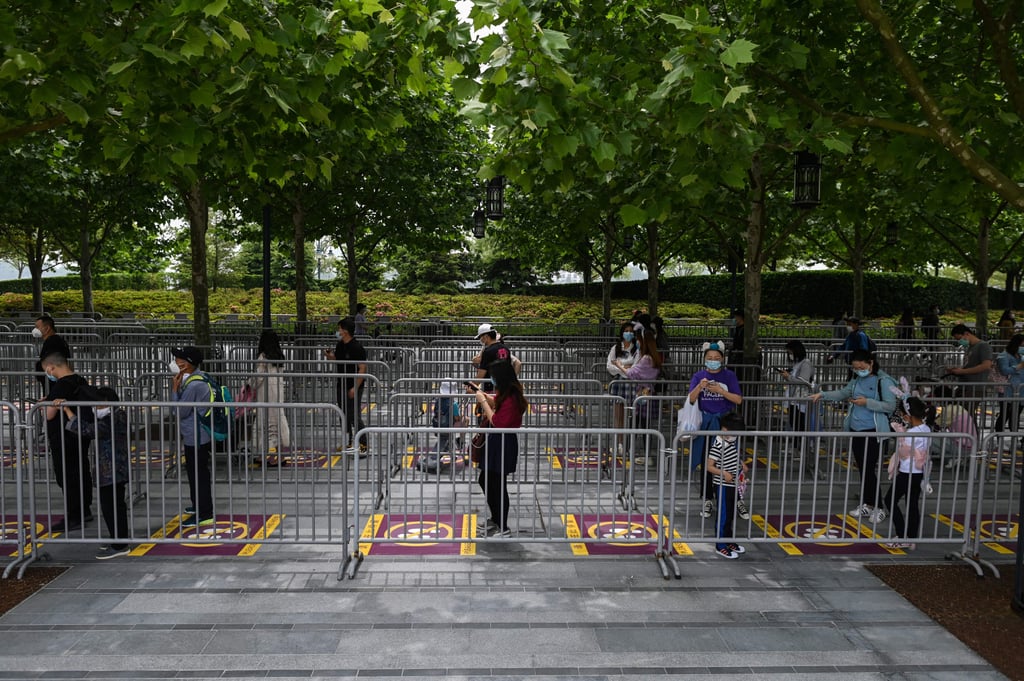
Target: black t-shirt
353, 352
495, 352
69, 388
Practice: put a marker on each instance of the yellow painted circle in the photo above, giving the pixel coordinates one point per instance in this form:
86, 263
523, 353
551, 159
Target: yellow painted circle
220, 529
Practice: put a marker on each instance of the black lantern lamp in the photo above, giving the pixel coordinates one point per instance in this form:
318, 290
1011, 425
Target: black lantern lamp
479, 223
807, 180
628, 241
495, 202
892, 234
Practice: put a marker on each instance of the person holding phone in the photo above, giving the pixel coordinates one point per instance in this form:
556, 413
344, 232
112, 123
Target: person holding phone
505, 409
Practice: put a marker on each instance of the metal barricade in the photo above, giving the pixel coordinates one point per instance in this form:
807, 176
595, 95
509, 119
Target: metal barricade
13, 464
564, 491
294, 493
996, 520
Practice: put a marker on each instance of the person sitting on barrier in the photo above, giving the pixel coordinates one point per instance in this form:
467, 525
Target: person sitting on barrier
716, 390
642, 375
908, 471
69, 453
272, 429
196, 440
725, 462
951, 417
501, 452
872, 401
623, 355
108, 424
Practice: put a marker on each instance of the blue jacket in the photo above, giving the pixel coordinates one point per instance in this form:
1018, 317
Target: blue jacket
192, 435
881, 407
111, 433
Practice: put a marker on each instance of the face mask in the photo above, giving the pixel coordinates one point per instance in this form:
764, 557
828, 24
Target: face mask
37, 334
863, 373
713, 364
337, 334
103, 413
963, 343
173, 367
627, 336
51, 378
849, 329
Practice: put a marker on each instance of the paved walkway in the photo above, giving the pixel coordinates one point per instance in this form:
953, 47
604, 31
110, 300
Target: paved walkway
512, 611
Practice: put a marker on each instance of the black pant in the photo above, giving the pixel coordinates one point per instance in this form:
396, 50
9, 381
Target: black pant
115, 512
352, 408
866, 453
200, 480
495, 487
71, 471
905, 485
1009, 415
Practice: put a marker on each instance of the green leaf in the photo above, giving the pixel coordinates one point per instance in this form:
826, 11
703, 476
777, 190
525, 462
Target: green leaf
452, 68
75, 112
835, 144
215, 8
464, 88
238, 30
632, 215
195, 46
360, 40
687, 180
735, 93
740, 52
678, 22
204, 95
120, 66
703, 91
552, 42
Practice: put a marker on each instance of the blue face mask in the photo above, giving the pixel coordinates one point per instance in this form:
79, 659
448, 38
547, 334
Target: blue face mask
963, 342
628, 336
863, 373
713, 364
51, 378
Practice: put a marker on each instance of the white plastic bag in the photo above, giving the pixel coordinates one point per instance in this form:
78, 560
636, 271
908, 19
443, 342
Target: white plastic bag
688, 418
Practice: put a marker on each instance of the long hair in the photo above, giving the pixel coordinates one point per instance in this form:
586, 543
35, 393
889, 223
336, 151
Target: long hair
507, 385
270, 346
1013, 345
648, 342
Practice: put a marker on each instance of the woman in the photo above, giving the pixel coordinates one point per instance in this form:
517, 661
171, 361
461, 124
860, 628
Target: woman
501, 454
621, 357
271, 424
716, 391
798, 384
872, 401
642, 375
1007, 323
1011, 365
905, 325
661, 336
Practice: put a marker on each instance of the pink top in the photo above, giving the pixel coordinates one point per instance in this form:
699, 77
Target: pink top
507, 415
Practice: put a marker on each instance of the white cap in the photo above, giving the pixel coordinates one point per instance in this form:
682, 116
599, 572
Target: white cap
484, 328
449, 388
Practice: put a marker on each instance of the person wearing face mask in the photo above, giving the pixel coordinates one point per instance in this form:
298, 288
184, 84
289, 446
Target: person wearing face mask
188, 385
799, 379
725, 462
856, 339
872, 401
642, 376
974, 374
351, 357
623, 355
69, 452
53, 344
716, 391
109, 427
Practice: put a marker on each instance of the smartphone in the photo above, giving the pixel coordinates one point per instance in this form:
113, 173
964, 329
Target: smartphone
468, 384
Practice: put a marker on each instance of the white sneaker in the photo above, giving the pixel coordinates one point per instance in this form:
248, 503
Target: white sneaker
861, 510
708, 509
742, 510
878, 515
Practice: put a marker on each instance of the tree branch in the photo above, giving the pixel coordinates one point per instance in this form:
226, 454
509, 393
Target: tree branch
998, 34
29, 128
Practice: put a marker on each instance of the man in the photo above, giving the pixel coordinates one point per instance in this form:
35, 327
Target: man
53, 344
69, 451
360, 319
974, 374
736, 338
191, 385
352, 355
494, 351
855, 340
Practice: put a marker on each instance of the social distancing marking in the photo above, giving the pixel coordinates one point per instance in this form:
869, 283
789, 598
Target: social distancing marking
448, 460
583, 458
618, 535
831, 534
1002, 530
419, 534
301, 458
224, 537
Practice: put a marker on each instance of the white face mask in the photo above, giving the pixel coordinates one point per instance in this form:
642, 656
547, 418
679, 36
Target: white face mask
103, 413
37, 334
173, 367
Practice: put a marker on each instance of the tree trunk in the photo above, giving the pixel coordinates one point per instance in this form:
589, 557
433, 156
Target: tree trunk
199, 222
757, 223
36, 260
858, 285
85, 267
982, 274
607, 254
653, 269
299, 246
353, 274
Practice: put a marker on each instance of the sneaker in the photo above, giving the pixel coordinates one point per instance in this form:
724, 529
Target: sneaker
742, 510
485, 528
109, 552
193, 522
861, 510
878, 515
502, 534
190, 510
726, 552
737, 549
708, 509
905, 546
65, 526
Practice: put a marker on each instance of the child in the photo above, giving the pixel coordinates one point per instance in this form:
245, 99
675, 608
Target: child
444, 414
724, 462
908, 469
109, 426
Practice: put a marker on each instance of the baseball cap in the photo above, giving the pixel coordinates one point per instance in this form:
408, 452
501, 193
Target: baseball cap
484, 329
190, 354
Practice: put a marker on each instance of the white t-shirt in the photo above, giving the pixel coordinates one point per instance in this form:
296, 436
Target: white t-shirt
919, 445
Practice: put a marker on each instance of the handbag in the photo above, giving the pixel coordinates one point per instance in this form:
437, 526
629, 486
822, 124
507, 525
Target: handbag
476, 448
688, 418
998, 379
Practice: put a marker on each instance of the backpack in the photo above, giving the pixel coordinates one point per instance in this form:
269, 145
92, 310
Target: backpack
871, 347
222, 417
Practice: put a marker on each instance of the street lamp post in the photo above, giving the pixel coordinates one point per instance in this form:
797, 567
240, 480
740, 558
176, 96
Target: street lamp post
807, 180
492, 207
